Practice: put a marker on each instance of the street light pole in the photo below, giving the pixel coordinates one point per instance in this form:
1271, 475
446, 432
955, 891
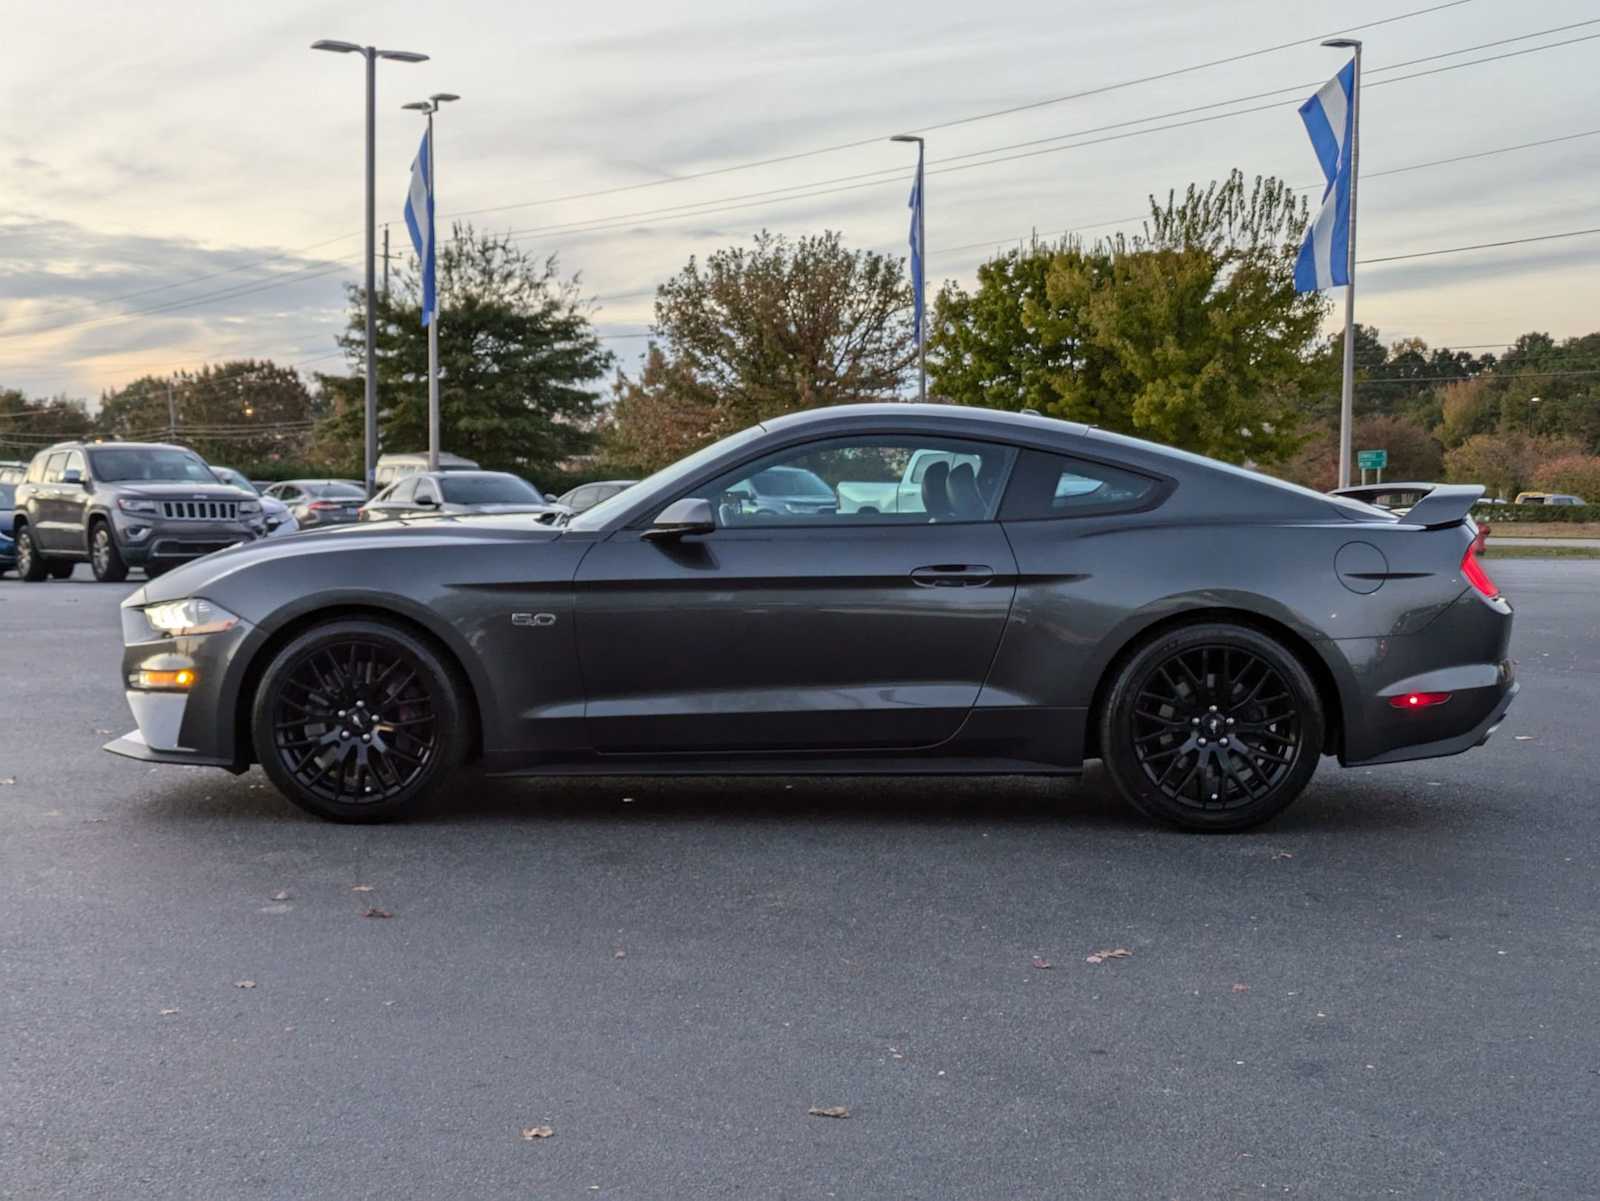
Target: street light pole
372, 54
430, 106
921, 282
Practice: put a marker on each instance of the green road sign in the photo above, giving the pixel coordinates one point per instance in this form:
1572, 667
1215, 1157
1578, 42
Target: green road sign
1372, 460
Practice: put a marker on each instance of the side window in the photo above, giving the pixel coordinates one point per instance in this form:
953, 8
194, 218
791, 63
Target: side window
864, 481
582, 498
54, 468
36, 469
1046, 485
403, 491
75, 463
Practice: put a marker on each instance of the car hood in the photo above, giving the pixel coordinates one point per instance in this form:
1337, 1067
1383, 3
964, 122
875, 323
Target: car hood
178, 490
347, 542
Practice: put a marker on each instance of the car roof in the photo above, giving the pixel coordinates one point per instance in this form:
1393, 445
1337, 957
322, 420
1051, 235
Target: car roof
910, 413
112, 444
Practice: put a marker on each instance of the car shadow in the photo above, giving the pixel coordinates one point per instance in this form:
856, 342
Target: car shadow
1335, 802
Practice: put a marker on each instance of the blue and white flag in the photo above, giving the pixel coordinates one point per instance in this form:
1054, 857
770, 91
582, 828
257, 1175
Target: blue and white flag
1329, 118
918, 300
419, 220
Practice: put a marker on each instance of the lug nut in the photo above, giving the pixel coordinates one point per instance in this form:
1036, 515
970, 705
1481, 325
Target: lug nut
1213, 708
366, 738
1202, 742
341, 712
1194, 721
344, 733
361, 704
1230, 721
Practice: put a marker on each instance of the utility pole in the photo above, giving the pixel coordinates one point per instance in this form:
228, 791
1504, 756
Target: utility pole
386, 260
172, 415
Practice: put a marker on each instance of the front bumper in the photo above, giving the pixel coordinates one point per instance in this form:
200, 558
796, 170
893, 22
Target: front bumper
143, 538
196, 726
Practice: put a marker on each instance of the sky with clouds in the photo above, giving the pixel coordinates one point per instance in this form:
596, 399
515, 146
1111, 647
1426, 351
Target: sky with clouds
183, 181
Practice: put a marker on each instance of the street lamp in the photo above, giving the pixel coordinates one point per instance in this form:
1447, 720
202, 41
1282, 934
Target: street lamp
372, 54
919, 282
431, 106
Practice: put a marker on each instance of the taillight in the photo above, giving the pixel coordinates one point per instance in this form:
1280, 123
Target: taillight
1418, 700
1473, 570
323, 504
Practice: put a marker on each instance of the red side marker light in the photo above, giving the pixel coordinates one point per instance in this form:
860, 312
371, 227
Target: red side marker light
1418, 700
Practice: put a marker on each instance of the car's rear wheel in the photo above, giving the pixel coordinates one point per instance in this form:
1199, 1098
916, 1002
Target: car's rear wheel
31, 565
104, 557
357, 720
1212, 727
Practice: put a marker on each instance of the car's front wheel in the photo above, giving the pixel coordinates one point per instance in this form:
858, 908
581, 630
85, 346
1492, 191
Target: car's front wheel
356, 720
31, 565
1212, 727
104, 557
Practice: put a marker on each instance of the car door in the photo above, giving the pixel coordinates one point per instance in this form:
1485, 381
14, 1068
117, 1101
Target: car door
72, 503
803, 631
48, 504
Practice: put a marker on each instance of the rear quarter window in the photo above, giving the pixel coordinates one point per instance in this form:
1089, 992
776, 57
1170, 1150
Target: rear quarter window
1046, 485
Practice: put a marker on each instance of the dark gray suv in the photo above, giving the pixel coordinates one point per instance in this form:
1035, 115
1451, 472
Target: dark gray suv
122, 505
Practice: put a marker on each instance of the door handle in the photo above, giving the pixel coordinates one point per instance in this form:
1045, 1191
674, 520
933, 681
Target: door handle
953, 575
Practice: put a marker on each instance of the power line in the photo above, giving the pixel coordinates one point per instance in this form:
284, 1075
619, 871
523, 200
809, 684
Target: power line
1423, 254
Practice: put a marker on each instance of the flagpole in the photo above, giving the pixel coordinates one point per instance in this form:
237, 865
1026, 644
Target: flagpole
1347, 391
433, 322
920, 284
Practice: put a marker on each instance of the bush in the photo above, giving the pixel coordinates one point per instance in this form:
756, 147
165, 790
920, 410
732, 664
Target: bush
1578, 475
1497, 514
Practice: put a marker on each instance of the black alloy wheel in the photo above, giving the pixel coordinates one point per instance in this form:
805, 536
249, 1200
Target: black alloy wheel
31, 565
1213, 727
104, 558
356, 719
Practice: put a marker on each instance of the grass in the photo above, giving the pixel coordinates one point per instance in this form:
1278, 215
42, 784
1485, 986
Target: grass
1540, 552
1543, 529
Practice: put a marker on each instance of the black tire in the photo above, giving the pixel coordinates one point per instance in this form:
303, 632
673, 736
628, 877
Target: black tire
60, 569
31, 565
104, 557
1213, 727
340, 738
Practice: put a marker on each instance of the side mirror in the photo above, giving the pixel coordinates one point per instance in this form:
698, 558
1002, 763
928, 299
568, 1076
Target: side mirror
72, 476
550, 498
426, 502
691, 515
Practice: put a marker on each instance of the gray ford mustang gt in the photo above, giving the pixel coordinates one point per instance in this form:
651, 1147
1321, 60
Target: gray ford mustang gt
961, 591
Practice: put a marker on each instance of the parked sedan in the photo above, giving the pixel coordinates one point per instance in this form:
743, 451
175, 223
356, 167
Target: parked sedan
456, 494
320, 502
586, 496
279, 520
8, 546
1209, 633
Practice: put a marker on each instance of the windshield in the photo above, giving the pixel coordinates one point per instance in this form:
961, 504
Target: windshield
333, 489
498, 488
149, 463
607, 511
233, 479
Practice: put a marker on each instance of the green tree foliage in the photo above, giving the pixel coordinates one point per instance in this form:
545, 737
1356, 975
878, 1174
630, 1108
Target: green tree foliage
756, 331
1191, 334
27, 425
518, 363
244, 414
1506, 463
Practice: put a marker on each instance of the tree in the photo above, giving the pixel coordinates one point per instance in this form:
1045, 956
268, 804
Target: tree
1466, 408
1191, 334
518, 362
1414, 454
246, 413
758, 331
27, 426
1505, 463
1578, 475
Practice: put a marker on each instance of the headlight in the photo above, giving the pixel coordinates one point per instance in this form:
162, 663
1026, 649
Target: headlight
129, 504
250, 507
192, 615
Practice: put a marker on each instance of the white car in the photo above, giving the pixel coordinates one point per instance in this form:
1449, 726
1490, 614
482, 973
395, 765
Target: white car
280, 521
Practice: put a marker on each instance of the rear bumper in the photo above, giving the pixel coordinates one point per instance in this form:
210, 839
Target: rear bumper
1453, 745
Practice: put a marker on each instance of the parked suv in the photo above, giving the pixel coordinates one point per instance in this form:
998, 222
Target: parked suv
122, 505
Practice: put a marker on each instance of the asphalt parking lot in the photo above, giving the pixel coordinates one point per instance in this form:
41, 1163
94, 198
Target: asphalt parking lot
1389, 992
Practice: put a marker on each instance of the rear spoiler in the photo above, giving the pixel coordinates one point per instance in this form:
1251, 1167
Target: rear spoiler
1444, 505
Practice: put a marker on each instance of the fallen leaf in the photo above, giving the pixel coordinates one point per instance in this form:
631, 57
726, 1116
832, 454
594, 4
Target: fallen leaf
376, 912
166, 1013
100, 731
529, 1133
362, 888
1115, 953
8, 779
279, 896
244, 983
619, 953
1283, 854
1241, 988
1042, 964
1519, 738
828, 1111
